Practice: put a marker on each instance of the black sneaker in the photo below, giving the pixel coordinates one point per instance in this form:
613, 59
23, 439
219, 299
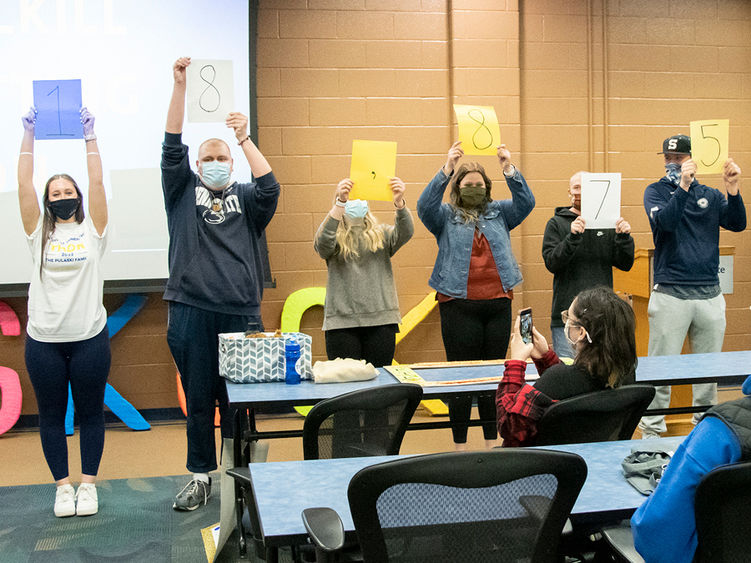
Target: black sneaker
193, 495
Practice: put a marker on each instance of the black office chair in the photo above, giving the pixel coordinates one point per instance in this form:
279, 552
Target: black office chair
723, 514
722, 506
600, 416
366, 422
498, 505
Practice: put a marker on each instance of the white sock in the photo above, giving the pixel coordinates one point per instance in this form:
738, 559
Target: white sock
201, 477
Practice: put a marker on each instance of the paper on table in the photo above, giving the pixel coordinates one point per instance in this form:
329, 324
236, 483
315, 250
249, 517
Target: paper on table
601, 199
373, 165
709, 144
478, 129
210, 90
58, 105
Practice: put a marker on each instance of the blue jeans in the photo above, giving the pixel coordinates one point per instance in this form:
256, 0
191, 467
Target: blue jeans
84, 365
192, 335
561, 345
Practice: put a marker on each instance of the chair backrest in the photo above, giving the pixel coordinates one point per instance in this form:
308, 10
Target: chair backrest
499, 505
366, 422
600, 416
723, 514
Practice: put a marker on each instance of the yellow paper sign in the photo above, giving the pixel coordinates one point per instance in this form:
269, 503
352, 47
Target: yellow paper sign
478, 129
373, 165
709, 144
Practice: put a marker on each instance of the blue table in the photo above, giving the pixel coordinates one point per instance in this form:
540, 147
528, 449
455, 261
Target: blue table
283, 489
722, 367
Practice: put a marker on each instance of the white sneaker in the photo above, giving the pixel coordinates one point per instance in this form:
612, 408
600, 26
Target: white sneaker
65, 504
87, 502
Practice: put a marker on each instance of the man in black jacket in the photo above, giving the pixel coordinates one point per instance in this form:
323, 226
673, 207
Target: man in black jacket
580, 258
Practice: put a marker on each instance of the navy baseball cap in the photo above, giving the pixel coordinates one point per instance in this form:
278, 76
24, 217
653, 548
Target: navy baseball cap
676, 144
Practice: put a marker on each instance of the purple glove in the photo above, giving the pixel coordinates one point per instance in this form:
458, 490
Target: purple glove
88, 125
29, 119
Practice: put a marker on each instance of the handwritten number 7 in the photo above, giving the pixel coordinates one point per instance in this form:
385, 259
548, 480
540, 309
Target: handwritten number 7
604, 196
719, 147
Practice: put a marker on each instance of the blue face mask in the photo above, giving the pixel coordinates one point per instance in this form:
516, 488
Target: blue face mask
215, 174
356, 208
673, 173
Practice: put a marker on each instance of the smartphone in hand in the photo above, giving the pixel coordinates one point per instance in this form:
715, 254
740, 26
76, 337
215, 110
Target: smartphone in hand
525, 325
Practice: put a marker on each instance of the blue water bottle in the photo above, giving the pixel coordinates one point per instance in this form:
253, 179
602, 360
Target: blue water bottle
291, 354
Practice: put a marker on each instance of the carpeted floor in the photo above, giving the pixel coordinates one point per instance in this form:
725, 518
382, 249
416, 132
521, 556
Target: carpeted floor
135, 522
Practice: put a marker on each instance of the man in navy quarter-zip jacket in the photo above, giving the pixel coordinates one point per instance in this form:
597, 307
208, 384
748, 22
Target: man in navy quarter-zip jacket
686, 217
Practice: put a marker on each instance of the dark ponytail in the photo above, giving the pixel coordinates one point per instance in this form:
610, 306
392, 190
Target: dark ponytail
610, 323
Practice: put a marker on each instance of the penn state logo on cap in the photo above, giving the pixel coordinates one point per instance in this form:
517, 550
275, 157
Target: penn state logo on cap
676, 144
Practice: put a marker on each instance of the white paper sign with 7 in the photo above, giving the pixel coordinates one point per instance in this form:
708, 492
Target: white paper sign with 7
601, 199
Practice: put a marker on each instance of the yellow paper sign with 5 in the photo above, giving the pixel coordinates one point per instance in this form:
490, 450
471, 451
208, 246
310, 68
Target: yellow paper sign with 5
709, 144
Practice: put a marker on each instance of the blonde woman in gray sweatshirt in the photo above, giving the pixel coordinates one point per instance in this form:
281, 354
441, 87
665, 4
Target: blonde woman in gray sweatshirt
361, 314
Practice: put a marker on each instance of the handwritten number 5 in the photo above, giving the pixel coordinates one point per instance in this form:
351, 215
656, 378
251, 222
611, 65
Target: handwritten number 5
719, 147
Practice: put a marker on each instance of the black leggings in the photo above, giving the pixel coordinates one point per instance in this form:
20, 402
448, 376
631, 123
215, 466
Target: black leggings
474, 330
374, 344
84, 365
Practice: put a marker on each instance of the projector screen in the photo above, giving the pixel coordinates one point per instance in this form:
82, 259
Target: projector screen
122, 52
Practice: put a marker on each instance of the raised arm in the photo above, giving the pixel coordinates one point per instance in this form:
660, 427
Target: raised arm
97, 197
733, 213
522, 201
325, 239
259, 166
27, 196
176, 111
429, 208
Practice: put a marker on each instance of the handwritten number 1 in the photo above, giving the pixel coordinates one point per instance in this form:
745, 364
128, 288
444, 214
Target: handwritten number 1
56, 91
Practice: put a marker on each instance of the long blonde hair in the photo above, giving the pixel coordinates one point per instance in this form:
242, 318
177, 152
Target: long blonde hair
350, 242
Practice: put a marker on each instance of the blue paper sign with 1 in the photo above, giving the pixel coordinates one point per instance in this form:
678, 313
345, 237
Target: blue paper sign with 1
58, 105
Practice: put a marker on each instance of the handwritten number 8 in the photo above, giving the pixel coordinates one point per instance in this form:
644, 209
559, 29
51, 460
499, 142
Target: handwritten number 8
719, 147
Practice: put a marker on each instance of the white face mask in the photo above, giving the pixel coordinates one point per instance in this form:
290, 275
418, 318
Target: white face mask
575, 342
215, 174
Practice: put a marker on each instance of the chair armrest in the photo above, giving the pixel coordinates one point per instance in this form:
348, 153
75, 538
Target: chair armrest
621, 540
241, 474
324, 527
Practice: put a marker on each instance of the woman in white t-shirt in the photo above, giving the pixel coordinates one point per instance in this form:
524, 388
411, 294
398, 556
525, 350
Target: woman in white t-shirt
67, 342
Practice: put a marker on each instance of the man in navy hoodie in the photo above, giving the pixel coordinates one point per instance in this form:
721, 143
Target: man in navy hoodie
215, 270
686, 217
664, 527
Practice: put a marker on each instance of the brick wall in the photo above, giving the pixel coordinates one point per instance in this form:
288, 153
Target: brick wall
330, 71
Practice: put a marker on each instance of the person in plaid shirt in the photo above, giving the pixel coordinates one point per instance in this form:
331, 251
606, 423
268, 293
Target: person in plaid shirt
600, 327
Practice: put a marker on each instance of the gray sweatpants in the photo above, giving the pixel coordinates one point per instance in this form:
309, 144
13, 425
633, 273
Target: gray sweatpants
670, 319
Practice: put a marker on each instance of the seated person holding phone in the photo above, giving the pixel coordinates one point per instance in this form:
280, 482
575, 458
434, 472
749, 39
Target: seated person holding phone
600, 327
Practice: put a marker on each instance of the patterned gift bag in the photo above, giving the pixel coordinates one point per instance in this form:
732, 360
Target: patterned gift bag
256, 360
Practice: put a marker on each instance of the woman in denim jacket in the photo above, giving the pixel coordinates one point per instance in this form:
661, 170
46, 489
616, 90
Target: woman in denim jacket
475, 271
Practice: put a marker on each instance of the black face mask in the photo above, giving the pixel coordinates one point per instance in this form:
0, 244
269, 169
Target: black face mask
64, 208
